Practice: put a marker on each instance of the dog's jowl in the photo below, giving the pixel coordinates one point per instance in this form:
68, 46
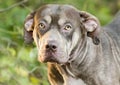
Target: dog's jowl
78, 51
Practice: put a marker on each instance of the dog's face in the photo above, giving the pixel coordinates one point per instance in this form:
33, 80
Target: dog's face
57, 30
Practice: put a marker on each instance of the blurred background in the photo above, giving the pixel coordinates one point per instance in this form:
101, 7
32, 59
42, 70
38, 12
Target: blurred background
18, 61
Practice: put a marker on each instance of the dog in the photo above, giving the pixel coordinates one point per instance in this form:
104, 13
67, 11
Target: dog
77, 49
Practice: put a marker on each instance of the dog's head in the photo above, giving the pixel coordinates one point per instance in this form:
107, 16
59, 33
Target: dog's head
57, 30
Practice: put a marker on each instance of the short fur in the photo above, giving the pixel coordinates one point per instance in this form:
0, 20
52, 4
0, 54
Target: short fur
78, 51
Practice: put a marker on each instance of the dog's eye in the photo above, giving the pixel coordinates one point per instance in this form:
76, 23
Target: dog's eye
67, 27
42, 25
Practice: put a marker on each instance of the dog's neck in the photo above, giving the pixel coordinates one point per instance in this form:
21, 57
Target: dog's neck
83, 57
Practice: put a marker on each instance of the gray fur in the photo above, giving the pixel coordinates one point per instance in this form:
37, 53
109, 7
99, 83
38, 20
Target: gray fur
85, 54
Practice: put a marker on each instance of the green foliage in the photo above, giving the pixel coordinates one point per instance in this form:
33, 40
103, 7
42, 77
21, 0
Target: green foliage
18, 62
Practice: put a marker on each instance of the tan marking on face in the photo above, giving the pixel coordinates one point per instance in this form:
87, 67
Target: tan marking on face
48, 19
61, 21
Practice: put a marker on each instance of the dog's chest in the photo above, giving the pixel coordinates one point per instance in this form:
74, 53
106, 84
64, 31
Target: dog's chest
79, 76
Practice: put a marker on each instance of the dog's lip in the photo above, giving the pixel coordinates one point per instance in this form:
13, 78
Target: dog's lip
47, 57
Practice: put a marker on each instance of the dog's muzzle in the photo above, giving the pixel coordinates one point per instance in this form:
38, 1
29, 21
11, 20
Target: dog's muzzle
51, 46
50, 51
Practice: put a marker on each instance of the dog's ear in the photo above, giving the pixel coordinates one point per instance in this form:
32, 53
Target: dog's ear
28, 28
92, 25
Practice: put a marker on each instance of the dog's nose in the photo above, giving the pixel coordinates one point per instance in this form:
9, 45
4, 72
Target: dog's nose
51, 46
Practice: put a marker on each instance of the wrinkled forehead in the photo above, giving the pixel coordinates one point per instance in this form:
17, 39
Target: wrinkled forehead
60, 13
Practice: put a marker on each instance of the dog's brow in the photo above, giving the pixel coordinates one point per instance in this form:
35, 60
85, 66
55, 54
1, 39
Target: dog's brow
61, 21
48, 18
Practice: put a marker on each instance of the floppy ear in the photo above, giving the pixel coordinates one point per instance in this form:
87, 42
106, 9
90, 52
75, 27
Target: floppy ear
28, 28
92, 25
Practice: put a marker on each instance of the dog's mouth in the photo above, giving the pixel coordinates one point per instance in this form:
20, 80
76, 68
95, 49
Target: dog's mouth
47, 57
59, 56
